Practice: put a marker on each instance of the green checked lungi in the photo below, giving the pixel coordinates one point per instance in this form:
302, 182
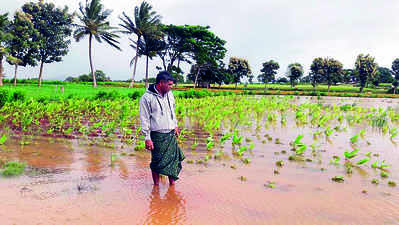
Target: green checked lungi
166, 157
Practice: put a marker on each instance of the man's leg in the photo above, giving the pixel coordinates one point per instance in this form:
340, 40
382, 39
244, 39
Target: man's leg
155, 178
171, 181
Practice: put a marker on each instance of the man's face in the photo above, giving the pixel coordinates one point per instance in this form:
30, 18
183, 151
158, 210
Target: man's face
166, 86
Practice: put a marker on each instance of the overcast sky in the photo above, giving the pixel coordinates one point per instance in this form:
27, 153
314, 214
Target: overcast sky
286, 31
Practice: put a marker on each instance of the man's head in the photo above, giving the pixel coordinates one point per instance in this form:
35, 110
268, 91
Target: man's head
164, 82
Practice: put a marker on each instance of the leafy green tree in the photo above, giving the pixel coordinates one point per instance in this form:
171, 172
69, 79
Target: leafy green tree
207, 49
85, 78
333, 70
317, 71
54, 26
5, 36
395, 85
210, 74
385, 75
178, 45
101, 76
282, 80
94, 23
325, 70
239, 68
365, 68
145, 22
294, 72
395, 72
21, 46
268, 72
348, 76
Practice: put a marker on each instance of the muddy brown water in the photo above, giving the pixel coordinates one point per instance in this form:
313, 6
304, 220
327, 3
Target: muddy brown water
71, 182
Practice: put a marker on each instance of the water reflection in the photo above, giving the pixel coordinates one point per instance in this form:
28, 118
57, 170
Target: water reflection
167, 210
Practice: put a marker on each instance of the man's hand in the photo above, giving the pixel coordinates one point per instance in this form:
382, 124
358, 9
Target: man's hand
149, 145
177, 132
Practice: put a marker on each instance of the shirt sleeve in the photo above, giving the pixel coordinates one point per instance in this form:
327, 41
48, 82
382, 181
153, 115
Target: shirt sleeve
144, 113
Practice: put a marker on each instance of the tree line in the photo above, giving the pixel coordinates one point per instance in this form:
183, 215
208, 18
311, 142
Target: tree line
40, 33
331, 72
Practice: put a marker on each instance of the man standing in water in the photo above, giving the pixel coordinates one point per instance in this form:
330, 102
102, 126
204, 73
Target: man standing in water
159, 124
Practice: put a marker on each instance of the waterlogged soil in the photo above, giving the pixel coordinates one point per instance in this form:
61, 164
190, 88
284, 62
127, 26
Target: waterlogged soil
76, 182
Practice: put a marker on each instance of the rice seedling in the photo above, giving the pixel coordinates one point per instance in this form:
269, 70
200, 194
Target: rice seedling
270, 184
354, 139
352, 154
3, 139
280, 163
298, 146
13, 168
375, 181
391, 183
380, 165
393, 132
246, 160
383, 174
338, 179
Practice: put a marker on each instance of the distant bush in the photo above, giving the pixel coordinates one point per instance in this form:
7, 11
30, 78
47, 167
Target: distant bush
135, 95
4, 95
17, 96
103, 95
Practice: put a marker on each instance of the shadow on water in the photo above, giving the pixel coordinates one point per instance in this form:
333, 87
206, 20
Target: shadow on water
169, 209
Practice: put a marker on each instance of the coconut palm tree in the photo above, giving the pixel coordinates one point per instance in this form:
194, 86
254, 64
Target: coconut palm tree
94, 23
145, 23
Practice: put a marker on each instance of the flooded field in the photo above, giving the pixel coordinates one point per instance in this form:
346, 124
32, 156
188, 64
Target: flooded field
269, 182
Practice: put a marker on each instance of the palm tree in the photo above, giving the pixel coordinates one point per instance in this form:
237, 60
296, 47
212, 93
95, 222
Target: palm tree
149, 47
146, 22
93, 18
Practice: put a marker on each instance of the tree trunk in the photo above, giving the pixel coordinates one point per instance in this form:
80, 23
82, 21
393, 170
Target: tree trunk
15, 75
91, 62
135, 63
40, 74
196, 77
1, 70
146, 73
178, 68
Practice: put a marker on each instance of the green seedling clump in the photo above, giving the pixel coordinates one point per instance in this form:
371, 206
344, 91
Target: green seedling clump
270, 184
383, 174
246, 161
13, 169
375, 181
391, 183
338, 179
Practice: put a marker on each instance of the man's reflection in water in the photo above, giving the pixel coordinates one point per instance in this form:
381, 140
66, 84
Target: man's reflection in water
167, 210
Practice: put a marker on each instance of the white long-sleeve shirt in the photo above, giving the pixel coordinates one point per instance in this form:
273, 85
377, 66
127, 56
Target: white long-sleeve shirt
157, 112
